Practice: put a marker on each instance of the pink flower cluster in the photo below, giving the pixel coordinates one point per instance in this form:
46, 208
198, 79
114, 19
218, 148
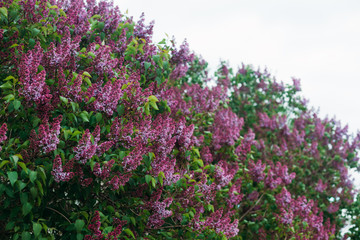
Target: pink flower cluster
158, 210
235, 195
302, 210
278, 175
97, 234
34, 86
226, 128
58, 172
221, 223
88, 147
256, 170
3, 130
224, 173
48, 137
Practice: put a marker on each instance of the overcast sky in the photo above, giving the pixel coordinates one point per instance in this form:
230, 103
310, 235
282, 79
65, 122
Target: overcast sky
317, 41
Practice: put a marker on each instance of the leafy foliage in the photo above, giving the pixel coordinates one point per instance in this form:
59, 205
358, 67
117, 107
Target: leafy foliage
107, 135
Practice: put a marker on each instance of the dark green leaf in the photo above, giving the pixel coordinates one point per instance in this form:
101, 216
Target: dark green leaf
26, 208
37, 229
13, 176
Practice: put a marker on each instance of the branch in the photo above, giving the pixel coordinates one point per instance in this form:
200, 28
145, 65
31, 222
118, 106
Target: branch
59, 213
252, 207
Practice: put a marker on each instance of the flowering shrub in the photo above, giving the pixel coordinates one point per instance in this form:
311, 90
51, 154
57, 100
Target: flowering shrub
107, 135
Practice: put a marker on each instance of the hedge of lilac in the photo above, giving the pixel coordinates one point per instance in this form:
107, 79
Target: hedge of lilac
105, 134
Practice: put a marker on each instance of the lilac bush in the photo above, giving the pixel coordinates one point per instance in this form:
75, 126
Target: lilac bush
107, 135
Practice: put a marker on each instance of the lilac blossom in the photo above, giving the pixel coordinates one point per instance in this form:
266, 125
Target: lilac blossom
47, 139
320, 187
33, 82
224, 173
58, 172
256, 170
226, 128
222, 223
3, 130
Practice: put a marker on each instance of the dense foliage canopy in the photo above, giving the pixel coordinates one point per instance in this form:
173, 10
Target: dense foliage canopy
107, 135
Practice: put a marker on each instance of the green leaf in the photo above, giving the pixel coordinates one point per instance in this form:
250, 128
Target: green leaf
14, 159
38, 183
13, 176
199, 162
25, 236
148, 178
153, 104
74, 106
17, 104
33, 192
9, 78
87, 80
6, 85
87, 74
9, 226
79, 236
22, 185
23, 166
35, 32
132, 219
129, 232
92, 99
64, 99
152, 98
9, 97
26, 208
98, 117
147, 108
84, 116
3, 162
161, 177
33, 176
4, 11
79, 224
92, 54
195, 150
147, 65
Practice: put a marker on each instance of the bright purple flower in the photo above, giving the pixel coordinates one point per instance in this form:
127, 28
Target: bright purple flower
296, 84
33, 82
256, 170
285, 217
58, 173
333, 207
104, 172
282, 172
179, 72
284, 199
133, 160
47, 139
206, 155
235, 195
222, 223
226, 128
158, 210
3, 130
119, 180
224, 173
94, 227
85, 148
272, 180
320, 187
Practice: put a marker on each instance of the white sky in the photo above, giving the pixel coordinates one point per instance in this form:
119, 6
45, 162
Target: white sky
317, 41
